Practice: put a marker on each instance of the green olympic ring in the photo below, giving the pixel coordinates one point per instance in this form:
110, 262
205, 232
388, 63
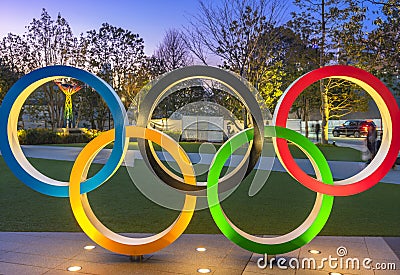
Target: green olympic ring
298, 237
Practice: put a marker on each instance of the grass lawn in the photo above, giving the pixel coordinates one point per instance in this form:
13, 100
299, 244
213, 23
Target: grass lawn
280, 207
330, 152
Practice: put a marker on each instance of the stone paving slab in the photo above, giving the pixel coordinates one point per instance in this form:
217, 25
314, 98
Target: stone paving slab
394, 243
53, 253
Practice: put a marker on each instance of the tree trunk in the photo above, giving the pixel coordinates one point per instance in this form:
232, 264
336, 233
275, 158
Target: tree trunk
324, 96
93, 123
60, 108
20, 118
244, 113
306, 115
324, 114
78, 116
50, 108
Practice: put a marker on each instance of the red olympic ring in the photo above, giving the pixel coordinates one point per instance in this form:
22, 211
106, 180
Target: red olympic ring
390, 114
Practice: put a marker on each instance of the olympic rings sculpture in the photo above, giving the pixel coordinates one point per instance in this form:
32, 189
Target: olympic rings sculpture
78, 186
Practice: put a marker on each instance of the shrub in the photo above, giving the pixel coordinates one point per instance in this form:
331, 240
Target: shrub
37, 136
47, 136
63, 139
91, 133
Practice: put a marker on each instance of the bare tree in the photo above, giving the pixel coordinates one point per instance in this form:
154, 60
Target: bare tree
234, 31
173, 52
245, 35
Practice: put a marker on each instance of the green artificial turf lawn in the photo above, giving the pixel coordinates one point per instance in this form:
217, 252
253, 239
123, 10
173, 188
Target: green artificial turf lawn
278, 208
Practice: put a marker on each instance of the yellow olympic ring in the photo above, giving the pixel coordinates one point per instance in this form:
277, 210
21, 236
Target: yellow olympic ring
98, 232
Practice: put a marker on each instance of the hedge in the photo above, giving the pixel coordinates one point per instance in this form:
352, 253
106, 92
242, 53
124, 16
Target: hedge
47, 136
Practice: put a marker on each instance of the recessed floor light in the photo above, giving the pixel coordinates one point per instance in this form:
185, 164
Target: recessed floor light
74, 268
89, 247
201, 249
314, 251
204, 270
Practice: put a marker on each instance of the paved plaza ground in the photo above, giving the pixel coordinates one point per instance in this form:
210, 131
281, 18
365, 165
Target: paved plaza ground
53, 253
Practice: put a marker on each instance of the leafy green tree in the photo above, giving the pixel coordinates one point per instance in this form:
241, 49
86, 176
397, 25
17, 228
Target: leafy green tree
270, 86
50, 42
116, 55
113, 53
335, 30
297, 58
46, 42
14, 63
384, 43
16, 54
7, 78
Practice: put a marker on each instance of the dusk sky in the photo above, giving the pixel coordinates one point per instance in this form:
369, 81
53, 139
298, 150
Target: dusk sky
149, 18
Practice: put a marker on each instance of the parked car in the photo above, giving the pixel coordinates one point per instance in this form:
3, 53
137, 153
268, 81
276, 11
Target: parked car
356, 128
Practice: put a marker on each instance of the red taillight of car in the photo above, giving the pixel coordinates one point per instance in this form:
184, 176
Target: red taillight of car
365, 128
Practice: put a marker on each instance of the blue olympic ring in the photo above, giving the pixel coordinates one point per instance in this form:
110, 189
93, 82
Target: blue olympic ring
8, 135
